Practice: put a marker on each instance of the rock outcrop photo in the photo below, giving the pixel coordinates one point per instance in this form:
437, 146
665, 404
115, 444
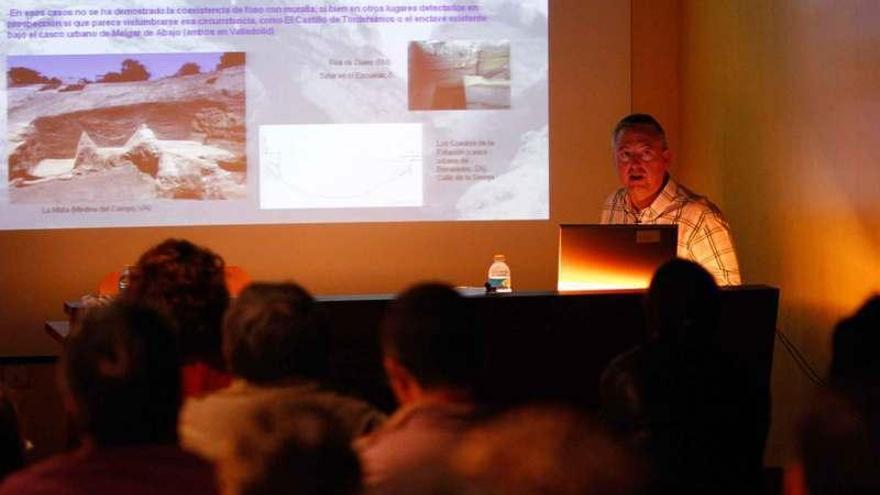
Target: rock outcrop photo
129, 134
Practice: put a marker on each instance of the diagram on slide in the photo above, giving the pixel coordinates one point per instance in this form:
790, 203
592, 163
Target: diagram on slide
126, 127
340, 166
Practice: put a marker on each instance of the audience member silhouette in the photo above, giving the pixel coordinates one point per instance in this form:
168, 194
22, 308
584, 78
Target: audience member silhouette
187, 283
839, 436
679, 400
121, 382
291, 448
11, 443
276, 344
433, 354
855, 354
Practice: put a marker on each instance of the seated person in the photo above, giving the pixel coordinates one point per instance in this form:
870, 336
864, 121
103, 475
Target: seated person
121, 382
680, 401
276, 345
855, 355
838, 449
839, 436
187, 283
293, 448
433, 355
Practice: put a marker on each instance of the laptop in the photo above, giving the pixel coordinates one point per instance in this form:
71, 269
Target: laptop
610, 257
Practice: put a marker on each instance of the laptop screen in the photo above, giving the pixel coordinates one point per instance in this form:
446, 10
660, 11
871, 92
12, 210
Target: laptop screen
607, 257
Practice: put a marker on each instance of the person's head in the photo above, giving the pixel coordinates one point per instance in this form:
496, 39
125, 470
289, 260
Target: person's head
275, 331
840, 434
187, 283
431, 342
839, 447
642, 157
855, 356
683, 303
121, 376
547, 450
293, 447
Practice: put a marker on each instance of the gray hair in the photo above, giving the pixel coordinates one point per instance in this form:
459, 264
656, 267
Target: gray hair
642, 121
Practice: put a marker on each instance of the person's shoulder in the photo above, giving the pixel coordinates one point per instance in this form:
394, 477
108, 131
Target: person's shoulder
46, 477
697, 204
627, 359
357, 416
209, 404
141, 463
415, 435
188, 468
203, 421
645, 355
171, 454
426, 417
615, 198
389, 428
624, 368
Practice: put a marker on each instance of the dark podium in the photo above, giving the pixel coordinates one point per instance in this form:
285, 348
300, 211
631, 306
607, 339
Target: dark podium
549, 346
544, 346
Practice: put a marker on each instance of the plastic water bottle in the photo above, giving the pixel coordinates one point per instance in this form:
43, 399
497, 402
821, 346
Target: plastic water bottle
124, 279
499, 275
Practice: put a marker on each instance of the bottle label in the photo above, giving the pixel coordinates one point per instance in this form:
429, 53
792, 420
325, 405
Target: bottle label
500, 284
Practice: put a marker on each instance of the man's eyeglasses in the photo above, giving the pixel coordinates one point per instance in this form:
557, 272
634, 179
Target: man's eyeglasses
643, 155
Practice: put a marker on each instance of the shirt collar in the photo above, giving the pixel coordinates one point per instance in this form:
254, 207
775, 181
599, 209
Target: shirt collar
429, 409
664, 200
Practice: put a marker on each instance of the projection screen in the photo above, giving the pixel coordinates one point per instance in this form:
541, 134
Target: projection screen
127, 113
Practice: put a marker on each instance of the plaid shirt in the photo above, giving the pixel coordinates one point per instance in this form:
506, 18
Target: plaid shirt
703, 233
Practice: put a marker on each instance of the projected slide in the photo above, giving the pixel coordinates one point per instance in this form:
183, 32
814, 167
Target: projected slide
128, 113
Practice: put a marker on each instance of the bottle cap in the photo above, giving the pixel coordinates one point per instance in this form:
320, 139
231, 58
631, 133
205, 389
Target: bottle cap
499, 257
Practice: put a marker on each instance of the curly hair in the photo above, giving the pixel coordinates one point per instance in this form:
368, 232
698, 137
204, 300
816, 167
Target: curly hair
275, 331
640, 121
187, 283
